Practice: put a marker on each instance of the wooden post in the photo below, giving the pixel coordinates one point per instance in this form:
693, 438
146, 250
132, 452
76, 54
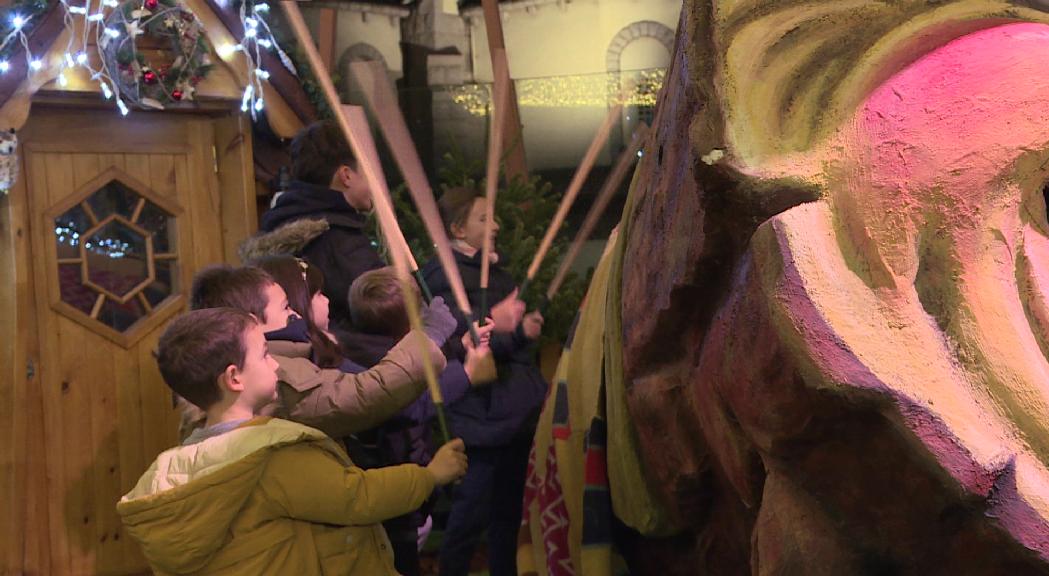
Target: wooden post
326, 27
513, 143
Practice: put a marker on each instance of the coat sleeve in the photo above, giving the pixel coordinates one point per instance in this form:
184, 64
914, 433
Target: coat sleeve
340, 404
307, 483
509, 345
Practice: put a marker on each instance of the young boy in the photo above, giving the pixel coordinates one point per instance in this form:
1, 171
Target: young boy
328, 187
257, 495
335, 402
376, 303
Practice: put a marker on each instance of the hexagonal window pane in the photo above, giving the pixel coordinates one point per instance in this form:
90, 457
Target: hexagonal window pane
114, 198
120, 316
73, 290
161, 224
163, 284
116, 258
68, 229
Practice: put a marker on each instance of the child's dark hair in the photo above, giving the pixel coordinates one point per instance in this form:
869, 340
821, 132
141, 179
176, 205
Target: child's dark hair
377, 303
197, 347
300, 282
222, 285
317, 152
455, 205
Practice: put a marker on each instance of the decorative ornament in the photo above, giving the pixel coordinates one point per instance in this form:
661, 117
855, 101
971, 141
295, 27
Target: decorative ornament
170, 22
8, 160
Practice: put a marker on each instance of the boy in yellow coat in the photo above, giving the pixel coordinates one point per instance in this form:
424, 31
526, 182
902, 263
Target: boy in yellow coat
255, 495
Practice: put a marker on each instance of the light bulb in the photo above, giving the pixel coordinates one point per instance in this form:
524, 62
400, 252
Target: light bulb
112, 33
4, 66
259, 105
17, 21
81, 58
62, 79
69, 60
36, 64
106, 91
123, 107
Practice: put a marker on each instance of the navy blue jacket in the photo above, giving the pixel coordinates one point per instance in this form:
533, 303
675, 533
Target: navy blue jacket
342, 253
496, 414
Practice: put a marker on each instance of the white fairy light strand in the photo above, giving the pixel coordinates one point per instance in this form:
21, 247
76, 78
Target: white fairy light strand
257, 38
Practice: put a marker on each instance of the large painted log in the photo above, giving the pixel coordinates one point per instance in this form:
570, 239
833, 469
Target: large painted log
837, 363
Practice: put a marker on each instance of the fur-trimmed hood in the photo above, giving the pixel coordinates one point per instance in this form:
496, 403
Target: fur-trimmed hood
290, 238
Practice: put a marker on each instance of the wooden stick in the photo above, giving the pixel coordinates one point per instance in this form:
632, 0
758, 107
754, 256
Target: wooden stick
573, 190
604, 197
355, 134
513, 145
500, 100
383, 102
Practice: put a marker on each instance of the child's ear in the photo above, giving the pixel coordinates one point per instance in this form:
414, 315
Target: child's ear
230, 379
457, 231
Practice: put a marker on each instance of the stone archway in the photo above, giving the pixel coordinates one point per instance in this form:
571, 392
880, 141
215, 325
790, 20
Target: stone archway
642, 29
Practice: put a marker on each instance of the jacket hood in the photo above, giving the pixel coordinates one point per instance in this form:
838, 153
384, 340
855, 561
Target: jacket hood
302, 200
290, 238
182, 508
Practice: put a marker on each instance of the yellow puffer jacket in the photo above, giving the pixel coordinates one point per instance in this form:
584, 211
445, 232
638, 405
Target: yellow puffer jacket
269, 497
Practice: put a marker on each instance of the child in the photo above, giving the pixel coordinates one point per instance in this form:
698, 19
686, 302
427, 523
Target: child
257, 495
377, 308
338, 403
497, 422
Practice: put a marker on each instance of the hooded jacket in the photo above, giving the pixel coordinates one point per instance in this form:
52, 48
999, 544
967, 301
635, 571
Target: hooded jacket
269, 497
343, 252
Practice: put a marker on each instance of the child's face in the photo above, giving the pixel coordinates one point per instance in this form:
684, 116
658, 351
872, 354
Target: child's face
278, 311
472, 230
319, 310
258, 376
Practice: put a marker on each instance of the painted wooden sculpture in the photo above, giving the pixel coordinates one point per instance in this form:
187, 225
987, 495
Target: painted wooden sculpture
825, 323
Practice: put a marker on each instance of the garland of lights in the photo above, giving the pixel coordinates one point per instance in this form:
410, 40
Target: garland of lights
141, 82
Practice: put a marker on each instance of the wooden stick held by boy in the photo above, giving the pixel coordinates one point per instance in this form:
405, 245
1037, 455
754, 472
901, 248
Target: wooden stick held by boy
501, 99
615, 179
356, 136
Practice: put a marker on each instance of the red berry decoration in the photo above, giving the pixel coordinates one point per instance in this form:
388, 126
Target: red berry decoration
150, 77
176, 95
152, 4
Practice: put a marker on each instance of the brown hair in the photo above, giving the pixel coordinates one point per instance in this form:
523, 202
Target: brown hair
197, 347
317, 152
455, 205
288, 271
222, 285
377, 303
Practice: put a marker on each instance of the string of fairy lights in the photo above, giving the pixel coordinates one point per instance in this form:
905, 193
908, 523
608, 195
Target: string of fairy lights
91, 28
578, 91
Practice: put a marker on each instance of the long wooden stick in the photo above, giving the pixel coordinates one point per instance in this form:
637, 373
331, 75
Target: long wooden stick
513, 145
604, 197
383, 101
500, 100
356, 135
573, 190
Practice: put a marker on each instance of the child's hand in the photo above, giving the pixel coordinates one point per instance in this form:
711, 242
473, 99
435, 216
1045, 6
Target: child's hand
507, 314
449, 463
438, 321
479, 363
483, 332
532, 325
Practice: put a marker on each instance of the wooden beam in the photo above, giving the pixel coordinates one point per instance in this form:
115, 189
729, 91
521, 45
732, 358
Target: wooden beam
326, 37
513, 133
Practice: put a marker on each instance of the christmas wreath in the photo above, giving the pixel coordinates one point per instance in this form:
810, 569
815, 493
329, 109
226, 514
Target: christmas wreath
181, 62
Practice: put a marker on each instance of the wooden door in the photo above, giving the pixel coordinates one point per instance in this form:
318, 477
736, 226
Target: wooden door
122, 213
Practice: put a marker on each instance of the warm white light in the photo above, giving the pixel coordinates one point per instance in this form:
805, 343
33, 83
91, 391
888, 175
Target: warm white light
112, 33
262, 7
245, 102
81, 58
123, 107
17, 21
111, 3
36, 64
69, 60
265, 43
250, 33
62, 79
106, 91
259, 105
251, 22
225, 50
96, 17
4, 66
77, 10
262, 74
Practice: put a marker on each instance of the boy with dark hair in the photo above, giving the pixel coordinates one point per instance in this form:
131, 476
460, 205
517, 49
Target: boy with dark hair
256, 495
377, 306
336, 402
328, 189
